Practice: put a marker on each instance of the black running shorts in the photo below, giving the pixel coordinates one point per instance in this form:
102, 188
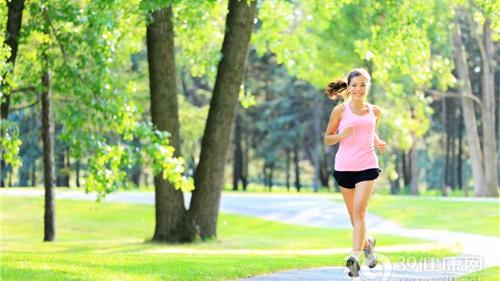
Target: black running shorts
349, 179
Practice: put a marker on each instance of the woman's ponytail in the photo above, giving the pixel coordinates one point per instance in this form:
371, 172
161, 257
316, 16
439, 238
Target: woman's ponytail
335, 89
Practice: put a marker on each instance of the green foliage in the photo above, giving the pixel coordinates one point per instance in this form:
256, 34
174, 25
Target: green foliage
404, 44
9, 140
10, 144
300, 35
100, 98
247, 100
192, 125
88, 46
318, 43
199, 32
106, 167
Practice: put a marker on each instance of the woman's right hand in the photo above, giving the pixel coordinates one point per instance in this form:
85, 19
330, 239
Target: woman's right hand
349, 131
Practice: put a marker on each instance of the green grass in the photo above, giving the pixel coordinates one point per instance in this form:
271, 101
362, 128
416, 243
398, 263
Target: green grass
489, 274
126, 266
433, 213
109, 241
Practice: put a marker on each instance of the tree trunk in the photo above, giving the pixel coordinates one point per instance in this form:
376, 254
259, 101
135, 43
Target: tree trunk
445, 146
209, 174
62, 176
406, 168
33, 173
173, 223
488, 115
136, 174
24, 172
453, 160
447, 159
246, 152
297, 168
68, 166
146, 179
48, 157
469, 113
237, 154
323, 167
414, 166
264, 174
316, 142
136, 170
77, 168
460, 151
14, 21
287, 169
497, 112
271, 176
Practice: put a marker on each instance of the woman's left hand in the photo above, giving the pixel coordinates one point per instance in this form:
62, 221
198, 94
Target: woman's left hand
381, 145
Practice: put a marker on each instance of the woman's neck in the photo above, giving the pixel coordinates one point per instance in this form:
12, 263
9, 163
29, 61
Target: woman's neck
357, 104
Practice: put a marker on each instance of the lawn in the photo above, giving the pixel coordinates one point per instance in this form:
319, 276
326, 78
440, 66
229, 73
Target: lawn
109, 241
435, 213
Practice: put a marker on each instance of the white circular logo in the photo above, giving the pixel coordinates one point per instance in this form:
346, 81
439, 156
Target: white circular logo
381, 272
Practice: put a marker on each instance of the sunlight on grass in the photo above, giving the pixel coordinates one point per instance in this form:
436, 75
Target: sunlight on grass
109, 241
469, 217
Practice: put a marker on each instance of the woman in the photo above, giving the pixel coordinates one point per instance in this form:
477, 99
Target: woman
352, 124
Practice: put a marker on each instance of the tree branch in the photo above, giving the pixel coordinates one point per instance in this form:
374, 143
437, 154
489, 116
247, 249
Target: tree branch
22, 107
450, 95
24, 89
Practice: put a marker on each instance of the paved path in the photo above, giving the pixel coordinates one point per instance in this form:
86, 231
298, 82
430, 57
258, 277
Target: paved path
478, 251
442, 269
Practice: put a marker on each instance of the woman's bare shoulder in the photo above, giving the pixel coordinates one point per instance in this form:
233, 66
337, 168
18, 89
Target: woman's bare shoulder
339, 108
377, 110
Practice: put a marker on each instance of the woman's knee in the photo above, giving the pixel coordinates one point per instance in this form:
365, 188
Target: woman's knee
358, 213
351, 217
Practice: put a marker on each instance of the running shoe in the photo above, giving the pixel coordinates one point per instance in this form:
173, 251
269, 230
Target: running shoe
370, 257
353, 266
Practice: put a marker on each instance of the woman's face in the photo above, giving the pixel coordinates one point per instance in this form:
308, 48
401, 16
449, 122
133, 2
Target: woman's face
358, 87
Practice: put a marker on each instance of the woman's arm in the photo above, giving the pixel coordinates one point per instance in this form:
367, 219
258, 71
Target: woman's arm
380, 144
331, 136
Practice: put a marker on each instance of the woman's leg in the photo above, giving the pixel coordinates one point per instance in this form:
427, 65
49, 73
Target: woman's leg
348, 194
362, 194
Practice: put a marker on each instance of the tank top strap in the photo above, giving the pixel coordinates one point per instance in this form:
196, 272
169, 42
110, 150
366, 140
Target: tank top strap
370, 109
347, 106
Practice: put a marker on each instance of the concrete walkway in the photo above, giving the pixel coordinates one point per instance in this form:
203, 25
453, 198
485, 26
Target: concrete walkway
478, 251
442, 269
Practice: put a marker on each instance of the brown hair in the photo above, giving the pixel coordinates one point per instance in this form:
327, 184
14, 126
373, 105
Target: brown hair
336, 89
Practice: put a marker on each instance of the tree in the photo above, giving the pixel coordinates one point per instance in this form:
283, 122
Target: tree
173, 222
13, 29
484, 173
48, 156
239, 161
485, 43
80, 50
215, 143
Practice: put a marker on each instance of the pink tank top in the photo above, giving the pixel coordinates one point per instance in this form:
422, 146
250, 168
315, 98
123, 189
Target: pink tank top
357, 152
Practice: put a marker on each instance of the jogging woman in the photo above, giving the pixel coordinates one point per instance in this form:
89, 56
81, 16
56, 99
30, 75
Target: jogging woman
352, 124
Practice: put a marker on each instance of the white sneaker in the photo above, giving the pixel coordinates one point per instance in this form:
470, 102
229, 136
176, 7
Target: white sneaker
370, 257
353, 266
